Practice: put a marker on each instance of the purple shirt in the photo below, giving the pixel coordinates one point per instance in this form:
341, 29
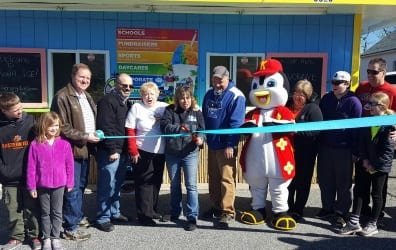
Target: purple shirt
50, 166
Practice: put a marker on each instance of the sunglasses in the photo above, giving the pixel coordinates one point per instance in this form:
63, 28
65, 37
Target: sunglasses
373, 72
126, 85
337, 82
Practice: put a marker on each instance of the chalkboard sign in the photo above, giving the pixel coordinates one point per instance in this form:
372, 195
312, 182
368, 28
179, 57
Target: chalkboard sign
23, 71
299, 66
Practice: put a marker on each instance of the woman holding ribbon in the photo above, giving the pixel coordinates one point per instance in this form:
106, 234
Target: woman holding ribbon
182, 152
146, 148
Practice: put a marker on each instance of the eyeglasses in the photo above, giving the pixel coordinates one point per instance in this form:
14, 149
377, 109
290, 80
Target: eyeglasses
296, 94
374, 104
126, 85
373, 72
337, 82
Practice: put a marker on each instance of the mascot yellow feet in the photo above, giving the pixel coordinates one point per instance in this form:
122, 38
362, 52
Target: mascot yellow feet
283, 222
254, 217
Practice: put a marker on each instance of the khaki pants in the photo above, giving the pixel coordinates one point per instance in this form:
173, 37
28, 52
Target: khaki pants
222, 185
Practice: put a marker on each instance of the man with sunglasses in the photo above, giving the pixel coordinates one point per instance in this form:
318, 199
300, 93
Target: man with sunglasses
376, 72
112, 156
336, 150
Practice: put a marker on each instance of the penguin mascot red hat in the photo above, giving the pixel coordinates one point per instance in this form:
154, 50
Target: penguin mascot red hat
267, 159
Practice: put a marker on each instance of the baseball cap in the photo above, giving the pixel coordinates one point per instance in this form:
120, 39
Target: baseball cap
220, 71
341, 76
268, 67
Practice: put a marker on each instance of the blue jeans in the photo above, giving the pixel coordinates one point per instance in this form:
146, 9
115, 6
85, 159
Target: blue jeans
111, 175
72, 201
189, 163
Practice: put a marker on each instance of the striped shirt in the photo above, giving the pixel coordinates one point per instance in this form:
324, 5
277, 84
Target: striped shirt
87, 112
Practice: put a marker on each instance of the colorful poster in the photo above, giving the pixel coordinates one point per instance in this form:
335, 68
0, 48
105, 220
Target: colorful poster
168, 57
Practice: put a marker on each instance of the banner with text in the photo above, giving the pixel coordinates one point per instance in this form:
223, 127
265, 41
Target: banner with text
167, 57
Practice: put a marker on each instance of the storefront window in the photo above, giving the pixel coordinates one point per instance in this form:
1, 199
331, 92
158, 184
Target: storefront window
61, 62
241, 67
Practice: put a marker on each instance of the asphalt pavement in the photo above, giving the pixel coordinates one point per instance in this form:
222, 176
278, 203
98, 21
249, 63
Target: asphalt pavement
311, 233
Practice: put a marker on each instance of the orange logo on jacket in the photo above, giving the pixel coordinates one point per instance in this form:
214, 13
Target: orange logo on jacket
16, 144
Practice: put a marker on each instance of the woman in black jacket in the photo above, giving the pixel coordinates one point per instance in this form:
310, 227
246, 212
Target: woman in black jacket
305, 146
182, 152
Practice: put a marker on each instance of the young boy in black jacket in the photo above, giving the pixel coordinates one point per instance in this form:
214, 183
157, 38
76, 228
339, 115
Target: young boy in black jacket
16, 133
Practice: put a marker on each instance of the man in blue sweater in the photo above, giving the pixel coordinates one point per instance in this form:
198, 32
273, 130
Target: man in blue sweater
223, 107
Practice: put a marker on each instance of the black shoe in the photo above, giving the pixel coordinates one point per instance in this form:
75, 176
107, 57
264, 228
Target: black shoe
157, 216
168, 217
324, 214
224, 221
296, 216
191, 225
148, 222
340, 220
120, 218
382, 215
212, 213
105, 226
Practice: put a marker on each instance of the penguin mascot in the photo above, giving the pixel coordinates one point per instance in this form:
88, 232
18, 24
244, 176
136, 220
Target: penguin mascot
267, 159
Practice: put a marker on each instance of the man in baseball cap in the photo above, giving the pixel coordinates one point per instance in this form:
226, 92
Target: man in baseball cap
223, 108
220, 72
341, 76
334, 161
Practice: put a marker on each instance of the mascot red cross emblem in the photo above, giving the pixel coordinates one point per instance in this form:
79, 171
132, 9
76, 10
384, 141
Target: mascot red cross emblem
267, 159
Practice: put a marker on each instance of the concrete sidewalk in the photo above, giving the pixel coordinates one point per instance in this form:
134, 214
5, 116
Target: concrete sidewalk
312, 233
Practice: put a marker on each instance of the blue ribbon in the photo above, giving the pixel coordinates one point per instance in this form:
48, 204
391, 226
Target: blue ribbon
290, 127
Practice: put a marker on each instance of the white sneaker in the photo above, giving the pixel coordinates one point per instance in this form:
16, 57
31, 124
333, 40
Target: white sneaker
46, 244
369, 230
56, 244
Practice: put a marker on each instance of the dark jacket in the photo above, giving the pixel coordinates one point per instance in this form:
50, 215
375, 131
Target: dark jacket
112, 111
171, 122
378, 150
307, 139
15, 138
348, 106
66, 104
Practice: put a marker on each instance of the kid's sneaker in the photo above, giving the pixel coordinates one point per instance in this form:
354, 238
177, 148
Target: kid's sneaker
12, 244
350, 229
47, 244
369, 230
56, 244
